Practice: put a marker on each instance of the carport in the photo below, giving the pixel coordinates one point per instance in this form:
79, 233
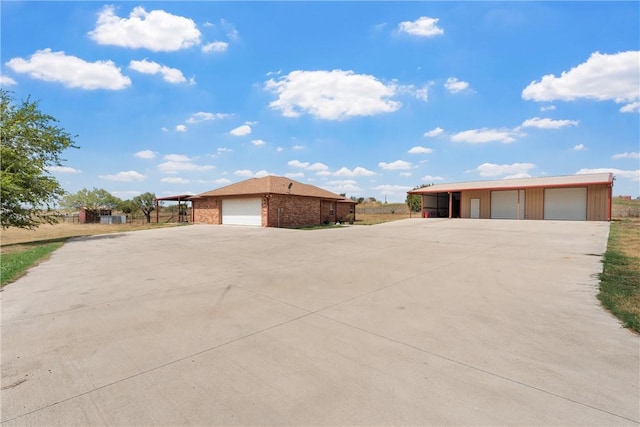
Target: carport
182, 200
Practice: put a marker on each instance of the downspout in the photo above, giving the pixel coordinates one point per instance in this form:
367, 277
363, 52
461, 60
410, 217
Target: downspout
610, 197
518, 207
450, 205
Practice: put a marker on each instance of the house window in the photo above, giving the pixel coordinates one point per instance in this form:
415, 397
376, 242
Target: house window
331, 209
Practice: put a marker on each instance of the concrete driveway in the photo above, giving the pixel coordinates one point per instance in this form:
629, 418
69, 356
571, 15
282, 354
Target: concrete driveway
416, 322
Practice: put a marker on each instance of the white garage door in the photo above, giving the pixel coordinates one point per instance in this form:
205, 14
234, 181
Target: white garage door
242, 212
565, 203
504, 204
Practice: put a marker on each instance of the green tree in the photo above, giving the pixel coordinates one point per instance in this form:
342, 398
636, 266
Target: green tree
127, 206
92, 200
146, 203
414, 200
30, 144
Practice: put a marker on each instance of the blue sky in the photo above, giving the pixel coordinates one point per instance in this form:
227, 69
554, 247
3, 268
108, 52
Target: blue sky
364, 98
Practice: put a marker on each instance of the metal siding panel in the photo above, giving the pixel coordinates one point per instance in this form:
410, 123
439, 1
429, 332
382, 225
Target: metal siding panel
597, 202
534, 206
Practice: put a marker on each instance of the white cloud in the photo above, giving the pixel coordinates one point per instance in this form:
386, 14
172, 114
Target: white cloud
157, 30
7, 81
175, 163
241, 130
258, 142
229, 29
422, 27
221, 150
431, 178
386, 189
279, 149
164, 129
405, 174
633, 175
602, 77
579, 147
298, 147
318, 167
145, 154
493, 170
222, 181
298, 164
71, 71
62, 169
454, 85
177, 158
419, 93
243, 172
434, 132
216, 46
128, 176
625, 155
634, 107
181, 128
484, 135
547, 123
124, 195
175, 180
395, 165
420, 150
331, 95
202, 116
294, 175
547, 108
357, 171
261, 174
170, 75
342, 186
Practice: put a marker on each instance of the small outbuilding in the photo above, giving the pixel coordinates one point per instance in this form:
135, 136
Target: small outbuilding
573, 197
271, 201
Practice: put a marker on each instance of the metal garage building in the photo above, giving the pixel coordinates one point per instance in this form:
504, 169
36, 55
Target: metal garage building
573, 197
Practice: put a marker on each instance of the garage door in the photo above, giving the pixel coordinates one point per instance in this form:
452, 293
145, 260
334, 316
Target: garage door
242, 212
504, 204
565, 203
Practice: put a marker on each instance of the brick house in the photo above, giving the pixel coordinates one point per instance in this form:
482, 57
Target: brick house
272, 201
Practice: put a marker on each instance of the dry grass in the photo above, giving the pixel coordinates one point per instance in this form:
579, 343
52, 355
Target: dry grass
17, 239
376, 213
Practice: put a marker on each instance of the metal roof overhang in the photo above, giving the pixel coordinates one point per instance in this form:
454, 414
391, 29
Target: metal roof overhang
519, 183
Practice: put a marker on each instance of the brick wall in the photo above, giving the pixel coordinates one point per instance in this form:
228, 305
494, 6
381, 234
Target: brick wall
344, 209
207, 211
295, 211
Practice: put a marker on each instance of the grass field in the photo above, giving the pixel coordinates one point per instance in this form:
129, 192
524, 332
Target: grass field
620, 278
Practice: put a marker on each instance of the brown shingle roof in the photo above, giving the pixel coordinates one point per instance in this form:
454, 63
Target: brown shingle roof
270, 185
